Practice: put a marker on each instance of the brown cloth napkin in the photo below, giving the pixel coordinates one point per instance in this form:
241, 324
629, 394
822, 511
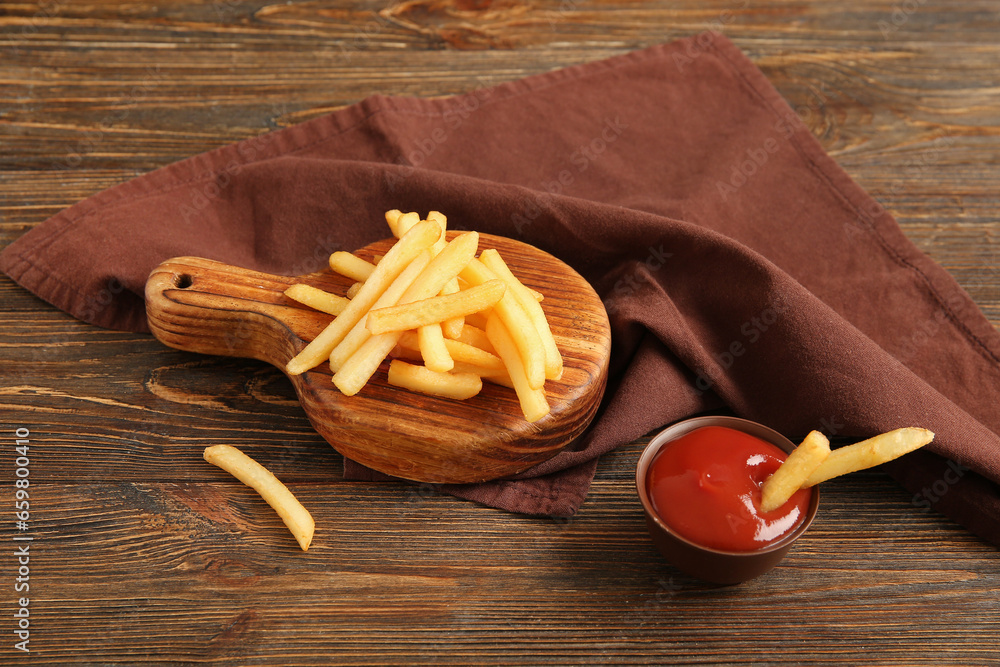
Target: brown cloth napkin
742, 269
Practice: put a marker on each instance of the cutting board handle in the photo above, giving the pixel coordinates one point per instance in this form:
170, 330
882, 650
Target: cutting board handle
200, 305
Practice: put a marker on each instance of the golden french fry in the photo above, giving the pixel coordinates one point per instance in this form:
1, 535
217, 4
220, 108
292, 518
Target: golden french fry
317, 298
270, 488
459, 352
392, 219
408, 220
790, 475
415, 241
436, 309
432, 301
433, 349
869, 453
476, 337
452, 327
356, 337
478, 320
553, 359
471, 354
500, 377
419, 378
533, 402
361, 365
351, 266
439, 218
517, 323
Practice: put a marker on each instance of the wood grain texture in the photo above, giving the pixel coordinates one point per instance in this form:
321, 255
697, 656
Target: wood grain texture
144, 556
204, 306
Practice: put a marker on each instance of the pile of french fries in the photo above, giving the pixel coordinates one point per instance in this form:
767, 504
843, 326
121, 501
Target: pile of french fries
448, 319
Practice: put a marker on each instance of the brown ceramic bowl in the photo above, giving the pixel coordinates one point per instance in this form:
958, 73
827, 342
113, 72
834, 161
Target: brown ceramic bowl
715, 565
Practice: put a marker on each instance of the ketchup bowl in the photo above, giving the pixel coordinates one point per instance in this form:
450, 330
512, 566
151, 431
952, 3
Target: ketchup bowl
719, 563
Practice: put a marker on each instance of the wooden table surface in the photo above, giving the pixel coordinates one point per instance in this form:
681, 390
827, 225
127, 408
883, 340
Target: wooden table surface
144, 554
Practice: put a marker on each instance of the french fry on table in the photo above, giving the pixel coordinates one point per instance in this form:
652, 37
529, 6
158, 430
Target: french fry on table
242, 467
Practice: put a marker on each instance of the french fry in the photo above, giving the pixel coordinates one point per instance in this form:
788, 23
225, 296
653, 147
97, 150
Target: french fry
452, 327
242, 467
436, 309
459, 352
500, 377
408, 220
517, 323
459, 386
351, 266
432, 301
392, 219
356, 337
399, 256
317, 299
475, 337
439, 218
790, 475
478, 320
553, 359
869, 453
533, 402
433, 349
361, 365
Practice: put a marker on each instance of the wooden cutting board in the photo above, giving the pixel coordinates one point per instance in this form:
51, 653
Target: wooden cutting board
204, 306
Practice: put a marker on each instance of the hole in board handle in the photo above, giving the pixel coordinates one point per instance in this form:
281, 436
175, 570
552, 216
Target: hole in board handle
183, 281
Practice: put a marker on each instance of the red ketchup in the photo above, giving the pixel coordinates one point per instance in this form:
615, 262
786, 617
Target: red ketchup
706, 485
